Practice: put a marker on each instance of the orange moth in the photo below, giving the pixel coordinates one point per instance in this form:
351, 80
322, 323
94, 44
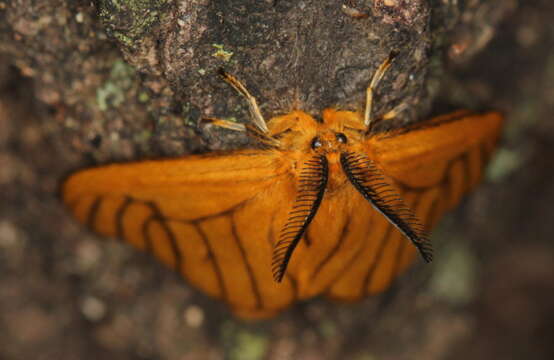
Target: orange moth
327, 207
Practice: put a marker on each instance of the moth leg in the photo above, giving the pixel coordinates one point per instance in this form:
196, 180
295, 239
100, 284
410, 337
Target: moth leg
391, 114
255, 112
262, 137
381, 70
250, 130
226, 124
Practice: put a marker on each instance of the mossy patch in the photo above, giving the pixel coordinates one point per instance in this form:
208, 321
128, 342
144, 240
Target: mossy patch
221, 53
129, 20
112, 92
454, 275
244, 344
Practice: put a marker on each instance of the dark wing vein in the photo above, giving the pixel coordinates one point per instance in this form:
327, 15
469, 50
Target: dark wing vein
368, 278
338, 244
158, 216
120, 229
93, 212
368, 179
312, 183
213, 259
250, 272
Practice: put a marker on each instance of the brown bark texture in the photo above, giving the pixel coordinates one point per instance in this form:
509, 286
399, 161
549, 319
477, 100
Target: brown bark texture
93, 82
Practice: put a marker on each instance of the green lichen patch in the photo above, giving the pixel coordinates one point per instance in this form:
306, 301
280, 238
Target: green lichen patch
112, 92
221, 53
244, 344
129, 21
454, 275
504, 163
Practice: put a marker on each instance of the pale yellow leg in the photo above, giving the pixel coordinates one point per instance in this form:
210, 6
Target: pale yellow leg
257, 117
251, 131
224, 124
381, 70
394, 112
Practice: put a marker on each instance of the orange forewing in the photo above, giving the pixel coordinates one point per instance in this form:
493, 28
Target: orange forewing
216, 219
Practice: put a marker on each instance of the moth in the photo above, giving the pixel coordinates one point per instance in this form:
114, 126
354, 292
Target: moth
331, 207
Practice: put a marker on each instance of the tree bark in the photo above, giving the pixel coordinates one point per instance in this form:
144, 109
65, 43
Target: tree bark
85, 83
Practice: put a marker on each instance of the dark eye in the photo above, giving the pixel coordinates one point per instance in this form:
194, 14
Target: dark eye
341, 138
316, 143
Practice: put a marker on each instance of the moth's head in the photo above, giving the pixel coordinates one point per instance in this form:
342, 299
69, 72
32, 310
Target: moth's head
298, 130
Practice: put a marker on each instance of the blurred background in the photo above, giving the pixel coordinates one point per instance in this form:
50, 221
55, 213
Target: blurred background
66, 294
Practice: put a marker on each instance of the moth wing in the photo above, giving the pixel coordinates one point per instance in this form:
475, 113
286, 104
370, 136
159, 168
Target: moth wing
448, 152
350, 253
381, 253
432, 165
211, 218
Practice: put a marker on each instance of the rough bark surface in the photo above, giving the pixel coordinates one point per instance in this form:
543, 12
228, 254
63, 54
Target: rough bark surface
85, 83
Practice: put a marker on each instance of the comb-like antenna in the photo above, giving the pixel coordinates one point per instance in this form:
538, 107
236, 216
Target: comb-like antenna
381, 70
255, 112
368, 179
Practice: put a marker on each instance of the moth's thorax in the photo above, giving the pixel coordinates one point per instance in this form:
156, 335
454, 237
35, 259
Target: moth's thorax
337, 179
337, 132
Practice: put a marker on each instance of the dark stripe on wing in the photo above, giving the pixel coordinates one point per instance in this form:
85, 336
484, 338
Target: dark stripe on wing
247, 265
368, 278
120, 230
338, 244
93, 212
158, 216
212, 258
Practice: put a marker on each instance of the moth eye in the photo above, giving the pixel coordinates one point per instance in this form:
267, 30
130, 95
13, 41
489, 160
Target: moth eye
316, 143
341, 138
